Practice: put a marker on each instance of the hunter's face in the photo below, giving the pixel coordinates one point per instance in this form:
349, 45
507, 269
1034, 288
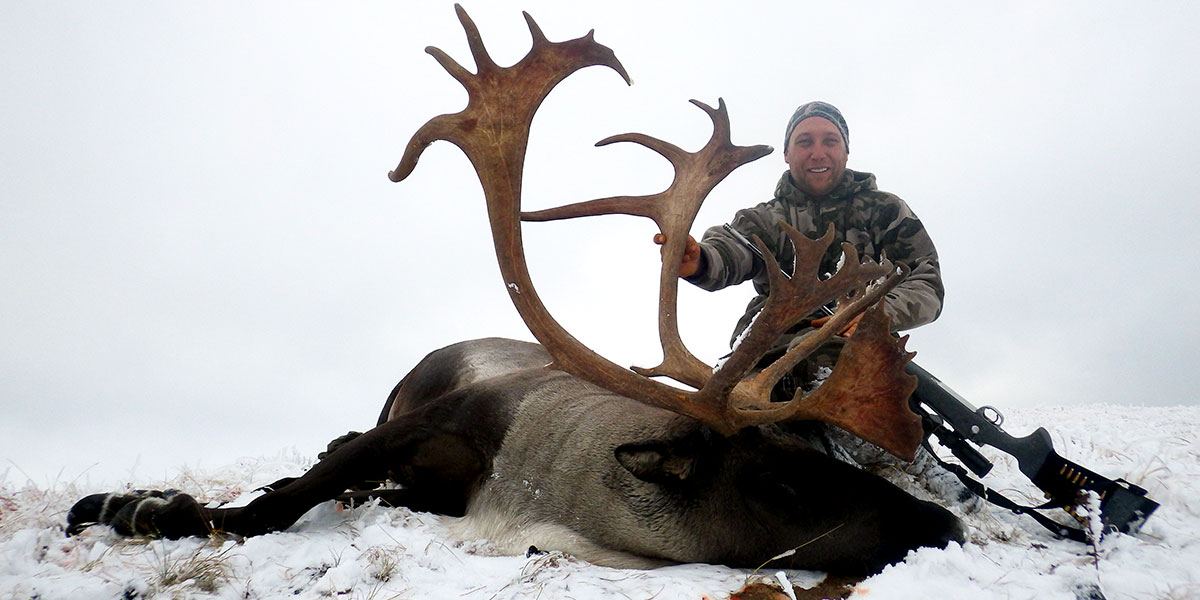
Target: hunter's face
816, 156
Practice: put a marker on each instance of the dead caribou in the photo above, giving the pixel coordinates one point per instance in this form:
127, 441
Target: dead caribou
551, 445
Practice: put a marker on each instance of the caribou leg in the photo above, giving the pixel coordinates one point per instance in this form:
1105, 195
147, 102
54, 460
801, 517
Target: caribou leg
437, 468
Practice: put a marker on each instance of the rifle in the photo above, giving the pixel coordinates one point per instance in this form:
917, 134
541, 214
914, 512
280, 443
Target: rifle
959, 426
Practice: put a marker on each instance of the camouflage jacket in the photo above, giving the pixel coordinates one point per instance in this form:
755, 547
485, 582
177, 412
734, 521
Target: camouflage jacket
873, 221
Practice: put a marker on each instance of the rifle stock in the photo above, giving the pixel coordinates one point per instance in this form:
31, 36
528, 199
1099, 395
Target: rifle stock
1124, 507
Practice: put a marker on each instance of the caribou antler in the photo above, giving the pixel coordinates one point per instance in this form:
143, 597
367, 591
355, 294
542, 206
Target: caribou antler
868, 390
673, 210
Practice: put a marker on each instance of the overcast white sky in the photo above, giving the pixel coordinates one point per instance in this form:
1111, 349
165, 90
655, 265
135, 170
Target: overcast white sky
202, 257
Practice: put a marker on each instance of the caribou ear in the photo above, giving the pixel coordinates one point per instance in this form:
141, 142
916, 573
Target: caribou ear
668, 461
657, 462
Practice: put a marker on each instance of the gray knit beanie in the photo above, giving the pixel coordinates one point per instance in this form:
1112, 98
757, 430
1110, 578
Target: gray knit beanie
824, 110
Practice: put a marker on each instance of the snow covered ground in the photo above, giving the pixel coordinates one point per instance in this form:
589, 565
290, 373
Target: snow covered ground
380, 553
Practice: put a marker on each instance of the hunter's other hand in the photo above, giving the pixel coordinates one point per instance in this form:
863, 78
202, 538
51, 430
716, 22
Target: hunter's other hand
691, 255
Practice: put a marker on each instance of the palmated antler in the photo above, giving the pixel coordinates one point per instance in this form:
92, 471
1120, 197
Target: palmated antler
868, 390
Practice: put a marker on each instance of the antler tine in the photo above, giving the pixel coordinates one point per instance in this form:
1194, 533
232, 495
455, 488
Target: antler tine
655, 206
483, 61
457, 71
650, 207
614, 205
437, 128
535, 31
720, 119
669, 151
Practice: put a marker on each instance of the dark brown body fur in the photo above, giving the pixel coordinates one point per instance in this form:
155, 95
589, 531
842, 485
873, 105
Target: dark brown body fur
536, 457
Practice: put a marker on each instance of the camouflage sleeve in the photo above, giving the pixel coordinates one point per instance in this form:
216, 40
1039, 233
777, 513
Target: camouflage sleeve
725, 261
918, 299
897, 231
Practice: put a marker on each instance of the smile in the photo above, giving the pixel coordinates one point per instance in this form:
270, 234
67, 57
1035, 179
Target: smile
820, 170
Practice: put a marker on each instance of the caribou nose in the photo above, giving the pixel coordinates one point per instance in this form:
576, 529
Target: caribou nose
932, 526
957, 532
946, 528
86, 512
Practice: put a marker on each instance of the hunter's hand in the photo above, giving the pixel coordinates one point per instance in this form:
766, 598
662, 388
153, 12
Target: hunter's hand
691, 255
846, 331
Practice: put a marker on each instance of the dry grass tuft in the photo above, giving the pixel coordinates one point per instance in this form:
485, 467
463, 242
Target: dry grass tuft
205, 568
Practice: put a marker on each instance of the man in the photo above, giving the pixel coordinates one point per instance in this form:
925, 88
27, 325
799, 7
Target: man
816, 190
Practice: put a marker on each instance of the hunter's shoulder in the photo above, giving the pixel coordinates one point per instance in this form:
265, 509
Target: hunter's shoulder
869, 199
862, 186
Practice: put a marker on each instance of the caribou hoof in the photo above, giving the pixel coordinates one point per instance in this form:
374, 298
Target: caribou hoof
169, 514
99, 509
